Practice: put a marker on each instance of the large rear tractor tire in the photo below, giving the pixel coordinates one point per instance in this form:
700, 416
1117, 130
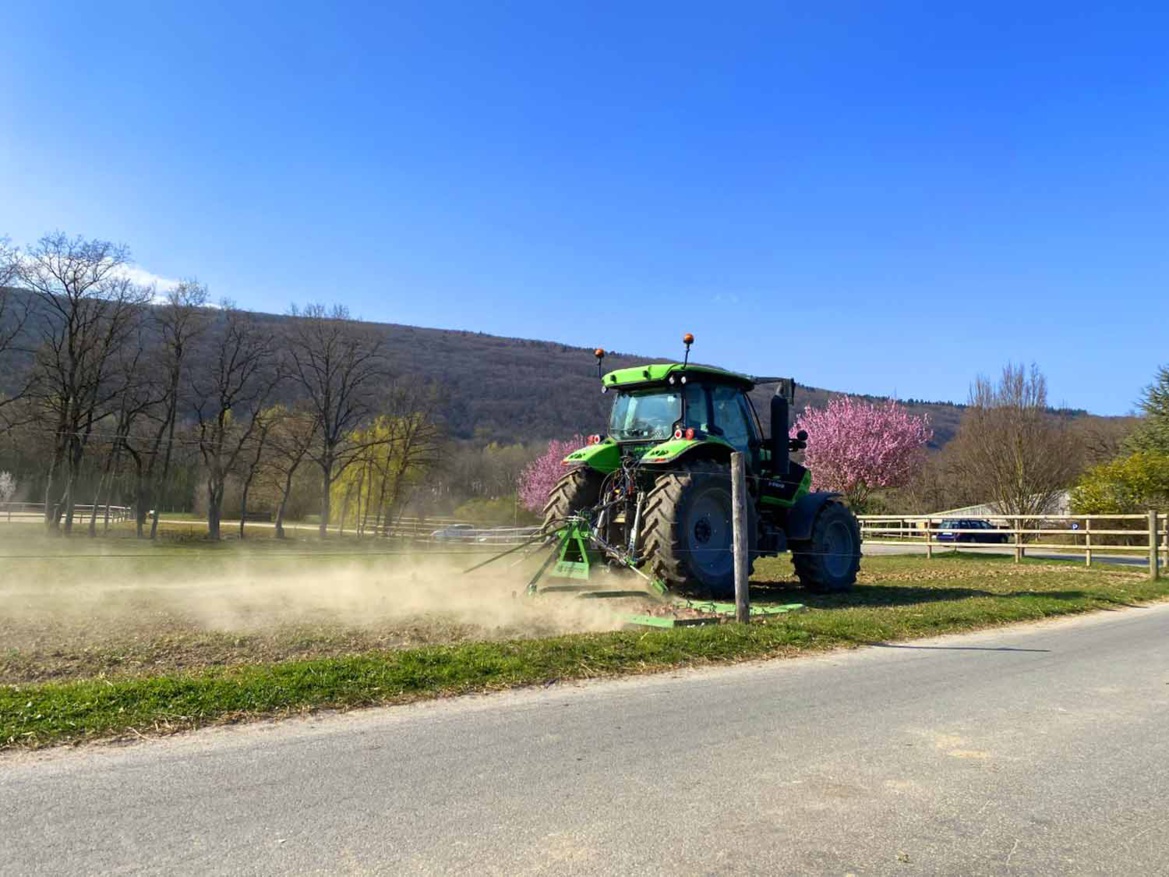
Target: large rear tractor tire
576, 490
829, 561
688, 535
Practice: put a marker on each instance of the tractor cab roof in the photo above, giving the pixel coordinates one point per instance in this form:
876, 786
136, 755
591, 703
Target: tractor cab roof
660, 373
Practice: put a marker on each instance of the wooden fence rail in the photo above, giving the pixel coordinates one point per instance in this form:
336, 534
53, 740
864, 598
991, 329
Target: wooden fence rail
9, 510
1092, 536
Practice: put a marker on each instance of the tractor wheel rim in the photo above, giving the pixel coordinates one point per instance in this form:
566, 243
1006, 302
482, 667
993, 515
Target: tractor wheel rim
709, 535
838, 549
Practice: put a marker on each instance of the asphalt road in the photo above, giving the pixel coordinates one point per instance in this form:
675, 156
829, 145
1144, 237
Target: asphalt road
1038, 750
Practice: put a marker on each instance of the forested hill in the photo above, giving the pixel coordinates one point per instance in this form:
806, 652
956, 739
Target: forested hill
512, 389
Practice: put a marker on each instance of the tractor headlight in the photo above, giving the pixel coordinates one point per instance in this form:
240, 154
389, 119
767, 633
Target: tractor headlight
683, 378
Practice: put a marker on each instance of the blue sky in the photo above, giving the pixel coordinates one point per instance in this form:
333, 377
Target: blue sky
884, 198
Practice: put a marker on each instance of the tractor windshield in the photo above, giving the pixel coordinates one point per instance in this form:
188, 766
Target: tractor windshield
645, 414
652, 414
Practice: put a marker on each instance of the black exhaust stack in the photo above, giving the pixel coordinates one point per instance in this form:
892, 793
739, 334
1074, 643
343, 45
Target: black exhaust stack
785, 392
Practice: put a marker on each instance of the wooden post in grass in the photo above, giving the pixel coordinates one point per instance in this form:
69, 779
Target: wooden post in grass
1088, 541
929, 539
739, 537
1018, 540
1154, 548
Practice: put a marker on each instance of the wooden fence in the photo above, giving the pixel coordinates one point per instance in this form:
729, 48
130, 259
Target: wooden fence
14, 511
1090, 536
451, 530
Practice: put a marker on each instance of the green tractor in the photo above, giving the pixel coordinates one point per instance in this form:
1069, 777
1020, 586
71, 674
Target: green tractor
655, 492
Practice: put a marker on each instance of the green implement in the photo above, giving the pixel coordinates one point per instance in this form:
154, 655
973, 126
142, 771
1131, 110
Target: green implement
581, 560
580, 557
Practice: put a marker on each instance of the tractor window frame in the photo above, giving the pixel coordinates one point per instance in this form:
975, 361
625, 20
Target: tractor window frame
753, 423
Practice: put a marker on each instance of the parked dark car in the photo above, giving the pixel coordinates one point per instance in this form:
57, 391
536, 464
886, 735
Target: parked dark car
986, 531
455, 533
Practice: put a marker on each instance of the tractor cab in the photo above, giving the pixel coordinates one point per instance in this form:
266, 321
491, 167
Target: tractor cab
691, 403
664, 412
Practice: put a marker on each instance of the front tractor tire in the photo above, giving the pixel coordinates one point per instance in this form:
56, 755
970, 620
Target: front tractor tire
688, 540
828, 562
577, 489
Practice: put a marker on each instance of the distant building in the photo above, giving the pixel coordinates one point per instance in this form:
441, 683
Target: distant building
1061, 505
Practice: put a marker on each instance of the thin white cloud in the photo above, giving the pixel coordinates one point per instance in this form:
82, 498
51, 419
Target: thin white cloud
138, 274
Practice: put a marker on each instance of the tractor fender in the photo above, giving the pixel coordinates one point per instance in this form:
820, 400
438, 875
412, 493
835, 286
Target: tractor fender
676, 450
604, 457
803, 514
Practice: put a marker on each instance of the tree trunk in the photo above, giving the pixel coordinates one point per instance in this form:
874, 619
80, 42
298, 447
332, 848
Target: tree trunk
243, 506
381, 506
104, 484
139, 506
344, 511
93, 511
214, 499
170, 440
359, 525
284, 502
49, 517
52, 517
327, 478
67, 497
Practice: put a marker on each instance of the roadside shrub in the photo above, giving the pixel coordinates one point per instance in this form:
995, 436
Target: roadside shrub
1128, 485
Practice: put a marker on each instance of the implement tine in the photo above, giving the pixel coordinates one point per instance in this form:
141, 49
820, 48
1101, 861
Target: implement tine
503, 554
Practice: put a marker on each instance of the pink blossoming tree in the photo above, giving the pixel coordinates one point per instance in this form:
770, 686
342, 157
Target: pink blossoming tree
856, 447
542, 473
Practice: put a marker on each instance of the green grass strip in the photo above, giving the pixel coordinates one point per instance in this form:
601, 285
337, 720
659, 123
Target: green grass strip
52, 713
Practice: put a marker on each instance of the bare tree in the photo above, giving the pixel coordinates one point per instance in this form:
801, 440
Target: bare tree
13, 312
91, 308
229, 396
182, 319
1010, 447
251, 459
337, 364
134, 397
9, 264
1101, 439
293, 433
417, 443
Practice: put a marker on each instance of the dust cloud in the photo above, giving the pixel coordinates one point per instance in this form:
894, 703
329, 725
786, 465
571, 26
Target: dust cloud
106, 597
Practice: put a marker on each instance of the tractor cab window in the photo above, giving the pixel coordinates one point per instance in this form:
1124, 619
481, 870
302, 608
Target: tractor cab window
645, 414
697, 411
730, 416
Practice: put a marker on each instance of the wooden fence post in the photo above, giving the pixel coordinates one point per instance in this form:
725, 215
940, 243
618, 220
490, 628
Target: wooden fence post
1165, 540
1154, 549
1018, 540
739, 536
1088, 541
